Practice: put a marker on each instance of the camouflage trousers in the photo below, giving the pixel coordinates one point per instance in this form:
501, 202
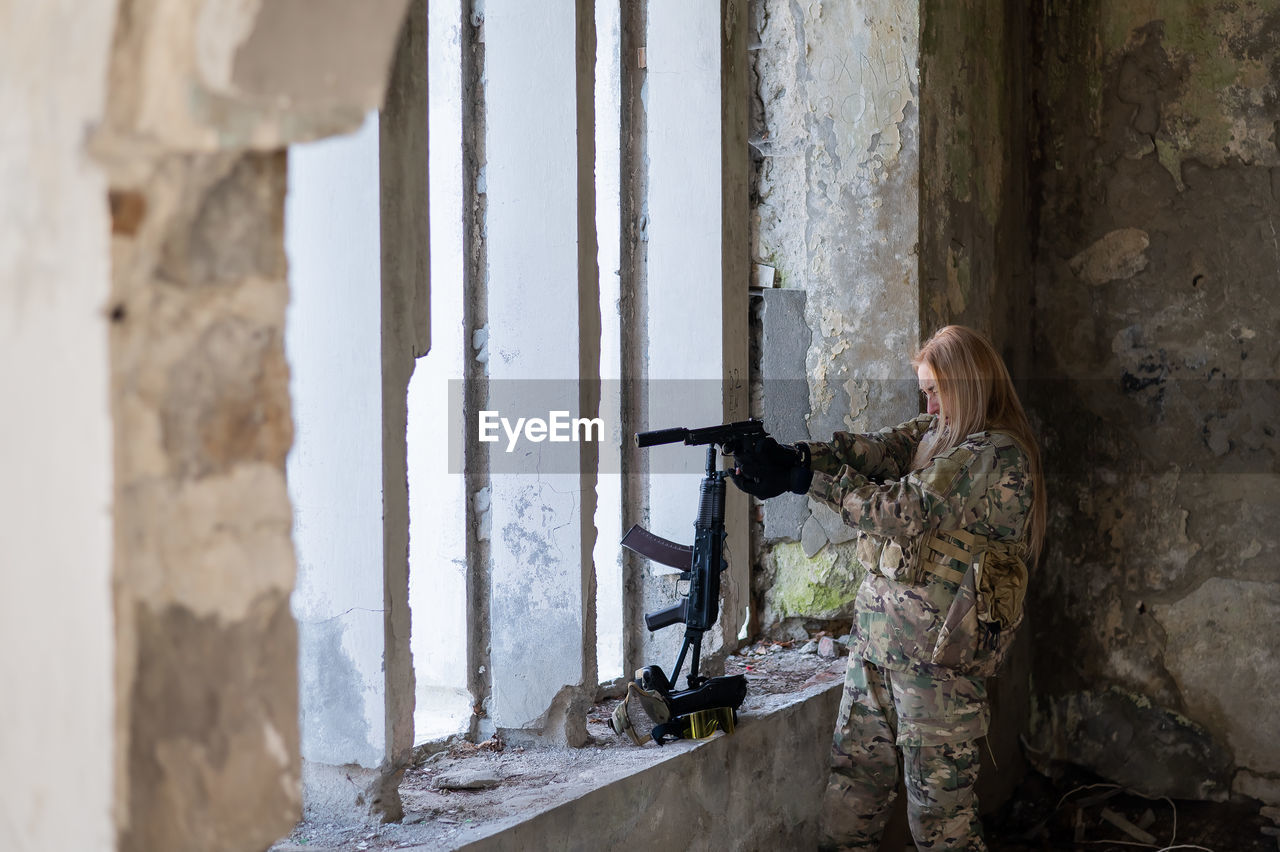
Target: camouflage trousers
929, 728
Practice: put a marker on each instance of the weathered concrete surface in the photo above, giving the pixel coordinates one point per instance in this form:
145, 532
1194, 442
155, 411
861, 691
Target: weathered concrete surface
201, 101
759, 788
1127, 739
1115, 256
204, 562
796, 586
1156, 280
784, 397
405, 336
975, 256
209, 734
539, 207
1203, 655
261, 73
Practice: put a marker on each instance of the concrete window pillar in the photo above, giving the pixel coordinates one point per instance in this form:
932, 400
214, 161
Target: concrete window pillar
541, 297
335, 467
695, 362
356, 233
143, 289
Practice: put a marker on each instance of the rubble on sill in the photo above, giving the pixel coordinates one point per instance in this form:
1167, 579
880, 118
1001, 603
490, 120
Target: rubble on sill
468, 790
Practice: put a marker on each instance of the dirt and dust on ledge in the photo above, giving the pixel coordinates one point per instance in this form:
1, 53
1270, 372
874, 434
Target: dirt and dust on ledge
450, 795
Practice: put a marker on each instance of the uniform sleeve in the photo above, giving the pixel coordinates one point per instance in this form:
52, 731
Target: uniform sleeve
878, 455
946, 494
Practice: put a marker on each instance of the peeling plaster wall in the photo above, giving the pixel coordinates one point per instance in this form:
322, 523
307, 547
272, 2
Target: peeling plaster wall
1131, 269
835, 213
204, 560
202, 100
1156, 285
836, 135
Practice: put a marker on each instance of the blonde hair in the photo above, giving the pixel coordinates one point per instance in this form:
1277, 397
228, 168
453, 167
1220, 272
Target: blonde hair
976, 394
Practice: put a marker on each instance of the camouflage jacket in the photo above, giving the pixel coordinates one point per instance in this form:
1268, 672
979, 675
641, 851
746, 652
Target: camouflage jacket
980, 488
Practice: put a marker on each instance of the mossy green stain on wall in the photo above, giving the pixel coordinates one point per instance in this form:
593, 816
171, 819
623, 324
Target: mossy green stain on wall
820, 587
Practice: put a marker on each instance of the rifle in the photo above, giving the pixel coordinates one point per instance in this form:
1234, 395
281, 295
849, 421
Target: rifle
700, 565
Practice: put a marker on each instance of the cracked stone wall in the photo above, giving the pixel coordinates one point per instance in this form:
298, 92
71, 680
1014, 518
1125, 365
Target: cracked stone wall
1155, 283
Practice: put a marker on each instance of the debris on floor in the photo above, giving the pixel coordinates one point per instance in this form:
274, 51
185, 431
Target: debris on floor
1078, 810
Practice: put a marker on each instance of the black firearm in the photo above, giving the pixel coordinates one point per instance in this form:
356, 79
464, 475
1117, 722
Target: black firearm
700, 565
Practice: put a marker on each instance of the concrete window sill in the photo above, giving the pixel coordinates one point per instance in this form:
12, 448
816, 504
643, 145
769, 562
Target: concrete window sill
759, 787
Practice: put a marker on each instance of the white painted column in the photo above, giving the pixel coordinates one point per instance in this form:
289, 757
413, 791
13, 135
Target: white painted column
697, 284
56, 671
357, 234
543, 337
333, 344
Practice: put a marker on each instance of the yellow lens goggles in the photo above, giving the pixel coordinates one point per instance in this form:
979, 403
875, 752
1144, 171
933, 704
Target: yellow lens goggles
705, 723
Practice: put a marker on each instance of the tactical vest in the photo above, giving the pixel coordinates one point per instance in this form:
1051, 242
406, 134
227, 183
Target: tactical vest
989, 578
982, 621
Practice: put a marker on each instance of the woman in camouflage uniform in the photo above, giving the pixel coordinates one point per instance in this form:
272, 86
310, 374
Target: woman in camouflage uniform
949, 509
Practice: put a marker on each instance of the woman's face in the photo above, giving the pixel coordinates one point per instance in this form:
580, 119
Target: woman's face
929, 390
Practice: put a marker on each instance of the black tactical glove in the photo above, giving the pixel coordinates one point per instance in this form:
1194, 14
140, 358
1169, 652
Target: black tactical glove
765, 468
